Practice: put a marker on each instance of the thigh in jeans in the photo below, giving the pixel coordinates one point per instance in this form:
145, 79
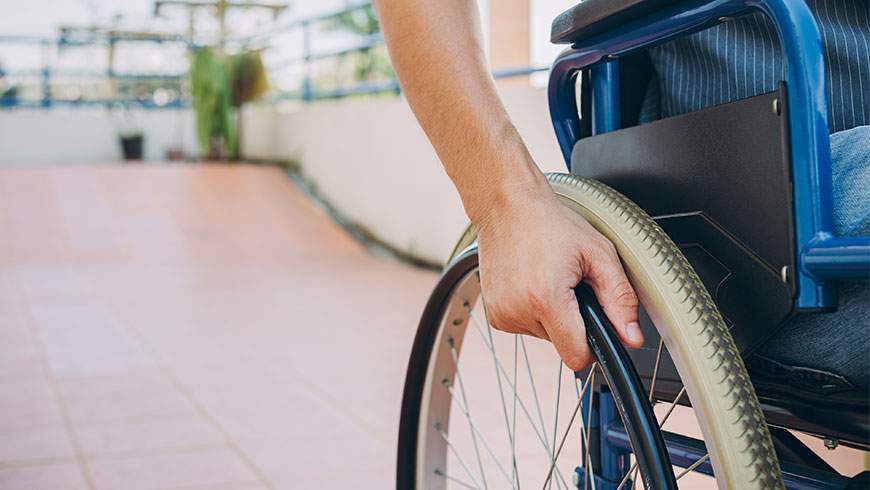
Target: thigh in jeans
838, 342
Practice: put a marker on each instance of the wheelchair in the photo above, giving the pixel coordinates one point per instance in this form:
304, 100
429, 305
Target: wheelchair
716, 275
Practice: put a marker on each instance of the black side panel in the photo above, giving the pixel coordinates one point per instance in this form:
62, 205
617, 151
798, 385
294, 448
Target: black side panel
718, 182
752, 299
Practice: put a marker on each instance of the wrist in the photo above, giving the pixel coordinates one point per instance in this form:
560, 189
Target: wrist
504, 198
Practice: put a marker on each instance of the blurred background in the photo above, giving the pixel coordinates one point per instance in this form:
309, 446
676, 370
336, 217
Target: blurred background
220, 224
305, 84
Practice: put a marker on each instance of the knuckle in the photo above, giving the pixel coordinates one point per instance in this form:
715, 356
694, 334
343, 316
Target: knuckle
503, 327
602, 256
624, 295
576, 361
608, 248
536, 299
496, 314
500, 318
602, 246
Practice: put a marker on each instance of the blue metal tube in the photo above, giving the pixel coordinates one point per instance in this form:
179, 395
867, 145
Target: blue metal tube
606, 114
614, 461
829, 257
684, 451
657, 28
810, 142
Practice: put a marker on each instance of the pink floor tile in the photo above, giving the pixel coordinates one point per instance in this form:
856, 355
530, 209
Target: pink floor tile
28, 404
171, 470
25, 444
132, 405
205, 327
49, 477
147, 436
21, 365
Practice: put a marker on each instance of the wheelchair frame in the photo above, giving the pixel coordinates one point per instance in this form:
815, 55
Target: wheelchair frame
822, 258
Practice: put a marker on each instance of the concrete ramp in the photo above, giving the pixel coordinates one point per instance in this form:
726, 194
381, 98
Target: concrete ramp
193, 326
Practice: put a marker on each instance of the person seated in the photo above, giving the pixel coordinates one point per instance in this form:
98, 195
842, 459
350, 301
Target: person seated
533, 251
823, 353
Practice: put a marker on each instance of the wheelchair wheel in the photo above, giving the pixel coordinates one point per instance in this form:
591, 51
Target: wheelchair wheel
479, 411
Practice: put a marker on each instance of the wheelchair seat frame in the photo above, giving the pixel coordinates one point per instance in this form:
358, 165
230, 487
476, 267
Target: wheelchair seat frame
601, 33
822, 257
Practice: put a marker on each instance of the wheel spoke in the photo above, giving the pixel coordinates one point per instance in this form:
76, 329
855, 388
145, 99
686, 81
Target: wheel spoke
541, 437
590, 476
655, 375
672, 407
694, 465
440, 472
514, 415
556, 420
476, 430
455, 453
514, 476
467, 409
580, 394
537, 401
633, 471
534, 390
629, 474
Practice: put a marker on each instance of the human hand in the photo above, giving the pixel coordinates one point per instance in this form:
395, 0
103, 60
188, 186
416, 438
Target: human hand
533, 252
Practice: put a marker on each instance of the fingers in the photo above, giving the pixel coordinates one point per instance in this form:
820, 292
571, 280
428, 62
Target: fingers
567, 332
501, 322
607, 278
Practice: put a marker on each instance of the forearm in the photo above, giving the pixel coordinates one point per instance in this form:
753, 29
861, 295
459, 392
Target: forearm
437, 52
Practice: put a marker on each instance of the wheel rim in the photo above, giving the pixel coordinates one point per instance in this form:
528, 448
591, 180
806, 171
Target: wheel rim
693, 332
478, 459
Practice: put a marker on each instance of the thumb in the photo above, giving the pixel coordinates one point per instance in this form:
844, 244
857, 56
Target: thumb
567, 331
618, 299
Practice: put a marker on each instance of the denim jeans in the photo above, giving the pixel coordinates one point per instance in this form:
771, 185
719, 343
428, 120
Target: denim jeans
837, 342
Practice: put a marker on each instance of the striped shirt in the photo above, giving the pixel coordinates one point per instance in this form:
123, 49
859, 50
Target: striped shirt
742, 58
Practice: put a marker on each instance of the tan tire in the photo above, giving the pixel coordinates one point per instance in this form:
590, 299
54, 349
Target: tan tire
693, 331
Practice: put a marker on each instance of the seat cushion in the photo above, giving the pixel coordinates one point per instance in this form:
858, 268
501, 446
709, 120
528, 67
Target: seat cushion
592, 17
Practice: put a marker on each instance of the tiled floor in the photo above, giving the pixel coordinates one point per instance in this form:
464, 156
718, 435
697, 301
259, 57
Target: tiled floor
193, 327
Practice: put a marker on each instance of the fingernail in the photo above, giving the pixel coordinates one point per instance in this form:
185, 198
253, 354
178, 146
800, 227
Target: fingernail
632, 331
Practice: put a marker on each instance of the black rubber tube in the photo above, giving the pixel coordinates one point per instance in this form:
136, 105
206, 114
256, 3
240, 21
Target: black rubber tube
621, 376
631, 400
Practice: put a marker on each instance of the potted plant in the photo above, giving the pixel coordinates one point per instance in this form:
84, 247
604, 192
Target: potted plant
130, 136
131, 144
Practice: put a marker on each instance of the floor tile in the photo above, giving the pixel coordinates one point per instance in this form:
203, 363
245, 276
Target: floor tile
127, 437
23, 444
21, 365
28, 404
50, 477
76, 364
116, 384
171, 469
132, 405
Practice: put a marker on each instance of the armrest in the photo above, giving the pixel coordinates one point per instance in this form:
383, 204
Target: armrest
591, 17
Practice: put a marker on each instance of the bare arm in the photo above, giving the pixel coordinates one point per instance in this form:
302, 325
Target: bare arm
436, 49
533, 250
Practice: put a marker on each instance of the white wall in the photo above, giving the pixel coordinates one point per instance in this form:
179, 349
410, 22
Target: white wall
88, 135
370, 158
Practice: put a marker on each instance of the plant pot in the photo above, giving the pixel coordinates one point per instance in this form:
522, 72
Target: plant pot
131, 146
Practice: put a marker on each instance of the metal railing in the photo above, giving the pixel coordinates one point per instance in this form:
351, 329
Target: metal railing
48, 76
306, 92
